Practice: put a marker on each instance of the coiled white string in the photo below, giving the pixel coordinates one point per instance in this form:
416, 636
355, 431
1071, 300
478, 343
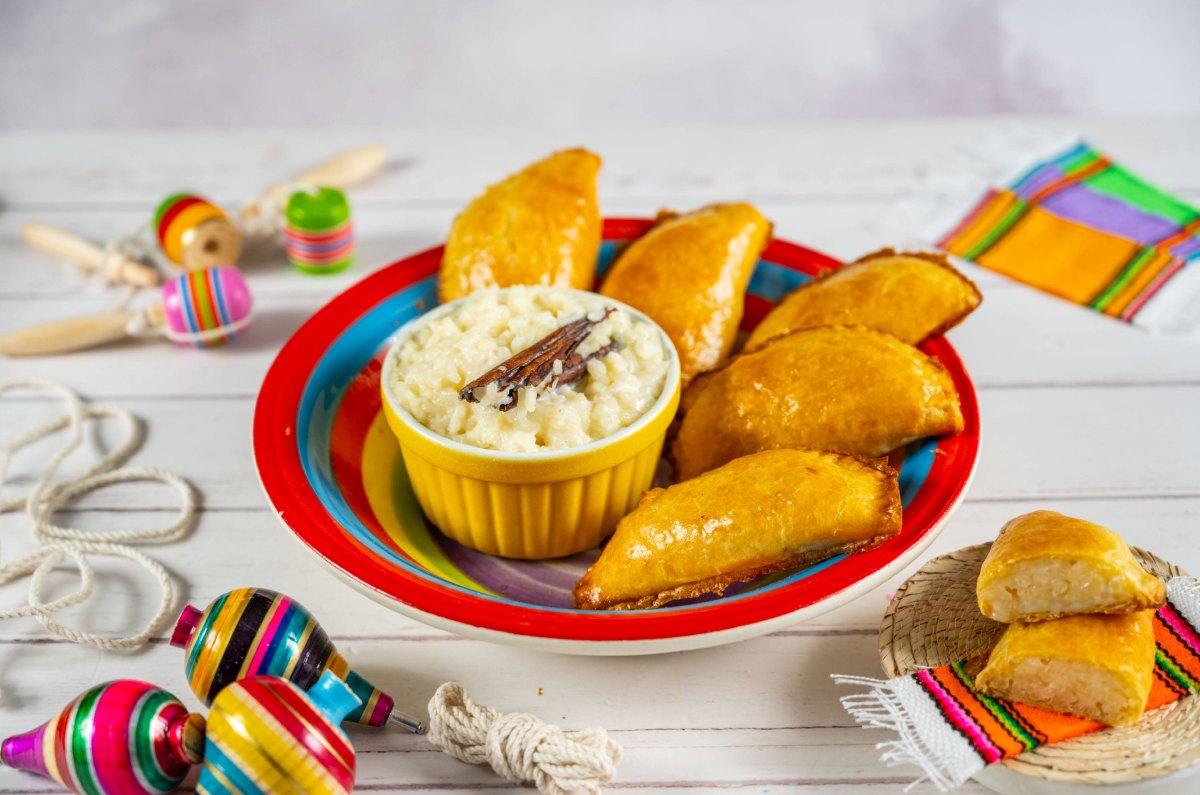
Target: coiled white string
134, 246
262, 218
60, 543
519, 746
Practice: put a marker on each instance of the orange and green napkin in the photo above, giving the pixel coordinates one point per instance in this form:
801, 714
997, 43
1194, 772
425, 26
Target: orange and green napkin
1084, 228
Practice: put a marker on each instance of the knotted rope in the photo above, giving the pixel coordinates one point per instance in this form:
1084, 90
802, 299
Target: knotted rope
519, 746
133, 246
59, 542
263, 218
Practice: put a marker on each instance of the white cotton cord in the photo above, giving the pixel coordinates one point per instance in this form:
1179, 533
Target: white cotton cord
519, 746
69, 492
125, 298
140, 326
134, 246
77, 414
262, 217
60, 543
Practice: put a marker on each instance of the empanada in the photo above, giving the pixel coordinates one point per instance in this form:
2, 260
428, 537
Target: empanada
539, 226
1046, 565
1095, 667
849, 390
689, 274
911, 295
765, 512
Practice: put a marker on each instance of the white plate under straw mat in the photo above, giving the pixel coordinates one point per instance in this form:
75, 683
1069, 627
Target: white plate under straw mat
934, 620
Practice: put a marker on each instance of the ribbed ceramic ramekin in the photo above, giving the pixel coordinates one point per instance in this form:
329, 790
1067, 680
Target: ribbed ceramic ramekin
531, 505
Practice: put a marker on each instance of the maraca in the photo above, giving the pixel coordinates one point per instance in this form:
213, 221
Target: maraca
265, 735
252, 632
121, 738
115, 266
195, 233
317, 233
202, 307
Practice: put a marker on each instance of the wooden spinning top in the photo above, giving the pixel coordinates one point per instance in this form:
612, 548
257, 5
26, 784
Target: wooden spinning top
120, 738
265, 735
253, 632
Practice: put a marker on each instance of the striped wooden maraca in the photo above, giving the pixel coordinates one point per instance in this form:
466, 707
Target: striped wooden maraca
318, 234
195, 233
120, 738
265, 735
257, 632
201, 308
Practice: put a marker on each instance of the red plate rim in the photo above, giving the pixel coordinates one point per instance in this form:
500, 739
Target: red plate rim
277, 458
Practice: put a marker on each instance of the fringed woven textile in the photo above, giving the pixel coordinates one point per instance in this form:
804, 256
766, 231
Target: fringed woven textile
951, 732
1077, 225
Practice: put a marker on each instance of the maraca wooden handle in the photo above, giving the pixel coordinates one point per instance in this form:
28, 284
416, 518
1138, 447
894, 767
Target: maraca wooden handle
340, 171
73, 334
348, 168
75, 248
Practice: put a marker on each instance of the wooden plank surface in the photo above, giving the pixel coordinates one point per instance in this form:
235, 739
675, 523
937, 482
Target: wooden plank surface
1080, 414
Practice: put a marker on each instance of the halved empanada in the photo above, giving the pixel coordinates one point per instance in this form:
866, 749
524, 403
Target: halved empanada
910, 295
849, 390
538, 226
689, 274
1095, 667
765, 512
1046, 565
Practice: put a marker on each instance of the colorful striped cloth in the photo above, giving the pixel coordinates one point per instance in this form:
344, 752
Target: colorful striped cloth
1081, 227
951, 732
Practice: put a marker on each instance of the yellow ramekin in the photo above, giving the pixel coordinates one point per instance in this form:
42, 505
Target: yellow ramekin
531, 505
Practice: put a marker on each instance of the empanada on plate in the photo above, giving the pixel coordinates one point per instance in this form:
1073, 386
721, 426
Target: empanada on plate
539, 226
689, 274
1096, 667
913, 296
761, 513
848, 390
1045, 565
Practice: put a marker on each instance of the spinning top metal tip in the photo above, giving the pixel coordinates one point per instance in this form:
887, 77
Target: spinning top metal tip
407, 722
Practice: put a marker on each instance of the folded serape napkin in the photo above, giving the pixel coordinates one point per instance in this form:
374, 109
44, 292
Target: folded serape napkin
1055, 213
952, 732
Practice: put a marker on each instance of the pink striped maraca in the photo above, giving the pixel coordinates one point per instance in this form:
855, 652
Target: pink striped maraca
121, 738
265, 735
203, 308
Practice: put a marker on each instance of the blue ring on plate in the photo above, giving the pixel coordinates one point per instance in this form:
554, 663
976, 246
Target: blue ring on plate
361, 341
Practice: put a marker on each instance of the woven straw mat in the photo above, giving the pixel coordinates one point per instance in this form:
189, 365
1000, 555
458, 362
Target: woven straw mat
934, 620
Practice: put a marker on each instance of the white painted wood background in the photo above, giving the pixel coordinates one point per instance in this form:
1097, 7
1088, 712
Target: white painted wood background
1080, 414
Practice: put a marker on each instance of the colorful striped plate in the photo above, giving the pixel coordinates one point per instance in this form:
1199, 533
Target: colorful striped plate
318, 428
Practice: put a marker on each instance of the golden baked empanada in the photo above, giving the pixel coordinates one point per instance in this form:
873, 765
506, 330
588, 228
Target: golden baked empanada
1095, 667
849, 390
689, 274
911, 295
1046, 565
765, 512
539, 226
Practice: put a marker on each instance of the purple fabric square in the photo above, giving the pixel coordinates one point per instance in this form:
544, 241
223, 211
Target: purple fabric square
1080, 203
1187, 248
1037, 179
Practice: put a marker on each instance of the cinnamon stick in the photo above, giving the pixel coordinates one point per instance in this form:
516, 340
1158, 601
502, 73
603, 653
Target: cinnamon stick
534, 366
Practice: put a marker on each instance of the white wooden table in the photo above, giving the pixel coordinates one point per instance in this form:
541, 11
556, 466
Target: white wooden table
1080, 414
